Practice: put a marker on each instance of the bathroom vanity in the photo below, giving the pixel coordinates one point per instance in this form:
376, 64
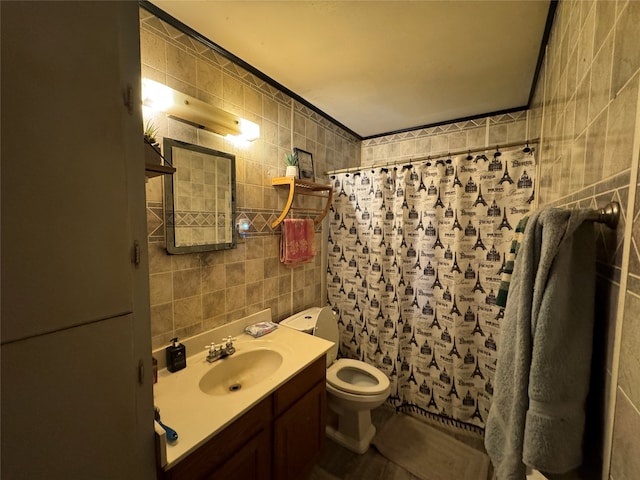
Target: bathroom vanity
281, 437
273, 426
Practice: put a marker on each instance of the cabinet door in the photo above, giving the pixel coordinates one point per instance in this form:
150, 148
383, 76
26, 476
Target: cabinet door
294, 389
299, 435
66, 232
68, 405
252, 461
244, 444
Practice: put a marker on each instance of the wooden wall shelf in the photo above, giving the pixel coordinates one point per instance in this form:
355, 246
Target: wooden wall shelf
155, 164
153, 170
302, 187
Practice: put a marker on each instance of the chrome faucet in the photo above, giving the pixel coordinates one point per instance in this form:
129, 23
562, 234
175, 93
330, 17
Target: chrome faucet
216, 352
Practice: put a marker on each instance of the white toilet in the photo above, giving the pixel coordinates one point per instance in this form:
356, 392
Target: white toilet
353, 387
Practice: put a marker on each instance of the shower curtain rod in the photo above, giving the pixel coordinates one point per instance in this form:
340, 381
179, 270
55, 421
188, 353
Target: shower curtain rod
430, 157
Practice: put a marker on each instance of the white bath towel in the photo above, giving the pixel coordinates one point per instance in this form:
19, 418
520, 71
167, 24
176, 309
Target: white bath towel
542, 377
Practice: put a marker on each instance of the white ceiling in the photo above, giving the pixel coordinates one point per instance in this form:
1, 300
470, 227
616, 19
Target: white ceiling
382, 66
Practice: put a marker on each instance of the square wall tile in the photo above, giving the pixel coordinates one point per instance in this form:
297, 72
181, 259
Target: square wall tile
181, 66
236, 298
629, 375
232, 90
187, 312
621, 128
160, 288
209, 78
153, 51
625, 459
186, 283
626, 54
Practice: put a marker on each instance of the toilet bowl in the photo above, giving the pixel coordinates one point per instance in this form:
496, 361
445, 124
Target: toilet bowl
353, 387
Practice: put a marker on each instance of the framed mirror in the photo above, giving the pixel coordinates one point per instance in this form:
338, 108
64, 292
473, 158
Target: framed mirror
200, 198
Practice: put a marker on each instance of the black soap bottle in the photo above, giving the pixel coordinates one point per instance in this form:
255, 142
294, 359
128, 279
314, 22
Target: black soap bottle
176, 356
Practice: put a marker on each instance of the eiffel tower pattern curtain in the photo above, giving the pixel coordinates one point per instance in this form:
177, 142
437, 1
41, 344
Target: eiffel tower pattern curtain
415, 259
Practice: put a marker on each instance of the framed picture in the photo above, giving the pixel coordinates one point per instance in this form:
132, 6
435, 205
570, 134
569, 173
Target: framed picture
305, 165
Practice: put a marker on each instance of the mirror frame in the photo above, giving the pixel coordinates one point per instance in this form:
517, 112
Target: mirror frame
168, 145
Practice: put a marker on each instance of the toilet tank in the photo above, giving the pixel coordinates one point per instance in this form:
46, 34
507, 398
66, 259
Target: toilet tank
304, 321
320, 322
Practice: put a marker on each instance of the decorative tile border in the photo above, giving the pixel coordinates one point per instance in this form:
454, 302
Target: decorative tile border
508, 117
155, 222
199, 219
259, 221
502, 119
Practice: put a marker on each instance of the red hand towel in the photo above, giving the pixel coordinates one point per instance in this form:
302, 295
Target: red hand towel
298, 241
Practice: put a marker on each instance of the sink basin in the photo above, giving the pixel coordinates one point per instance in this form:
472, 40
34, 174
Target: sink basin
240, 371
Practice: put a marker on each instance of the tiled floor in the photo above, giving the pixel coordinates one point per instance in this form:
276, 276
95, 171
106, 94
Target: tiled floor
340, 463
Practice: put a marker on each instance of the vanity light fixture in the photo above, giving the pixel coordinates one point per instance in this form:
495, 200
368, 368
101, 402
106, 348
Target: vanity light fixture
195, 112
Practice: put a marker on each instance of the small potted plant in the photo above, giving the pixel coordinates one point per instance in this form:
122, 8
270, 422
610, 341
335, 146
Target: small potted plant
152, 147
291, 162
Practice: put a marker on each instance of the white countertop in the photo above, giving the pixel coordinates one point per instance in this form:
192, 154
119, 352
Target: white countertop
197, 416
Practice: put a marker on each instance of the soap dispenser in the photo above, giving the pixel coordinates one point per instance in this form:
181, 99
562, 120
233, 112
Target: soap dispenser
176, 356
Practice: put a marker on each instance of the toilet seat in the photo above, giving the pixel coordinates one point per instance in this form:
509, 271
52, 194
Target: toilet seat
371, 380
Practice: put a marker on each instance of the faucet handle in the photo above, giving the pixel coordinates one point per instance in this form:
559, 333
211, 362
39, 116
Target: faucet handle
228, 348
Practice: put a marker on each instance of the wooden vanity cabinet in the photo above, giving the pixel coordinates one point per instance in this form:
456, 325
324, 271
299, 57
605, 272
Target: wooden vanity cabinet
280, 438
299, 425
242, 450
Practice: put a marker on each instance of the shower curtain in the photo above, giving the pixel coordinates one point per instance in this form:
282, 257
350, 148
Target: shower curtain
415, 259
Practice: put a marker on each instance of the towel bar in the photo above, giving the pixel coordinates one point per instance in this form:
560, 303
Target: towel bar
609, 215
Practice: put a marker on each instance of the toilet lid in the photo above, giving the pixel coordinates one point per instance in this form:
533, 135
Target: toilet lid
304, 321
336, 378
327, 328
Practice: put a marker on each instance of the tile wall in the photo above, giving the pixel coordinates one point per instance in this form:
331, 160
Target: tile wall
586, 111
452, 137
196, 292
